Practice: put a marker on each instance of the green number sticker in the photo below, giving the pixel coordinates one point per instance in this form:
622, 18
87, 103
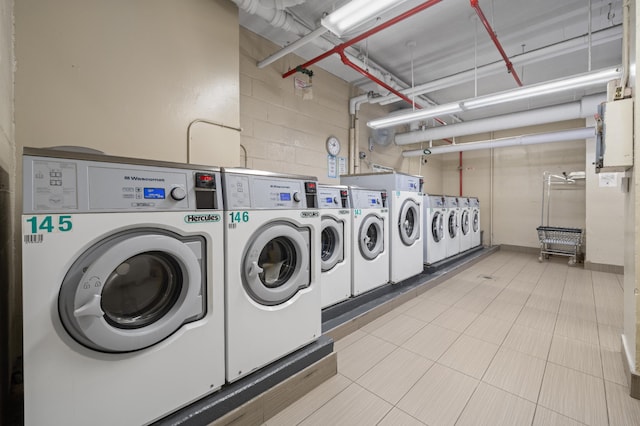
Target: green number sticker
239, 217
47, 224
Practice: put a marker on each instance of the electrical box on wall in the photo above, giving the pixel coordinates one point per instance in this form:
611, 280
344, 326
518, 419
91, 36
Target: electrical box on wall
614, 145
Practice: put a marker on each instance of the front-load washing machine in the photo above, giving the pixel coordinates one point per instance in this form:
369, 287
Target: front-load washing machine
370, 236
335, 251
435, 216
452, 224
122, 288
475, 221
272, 266
405, 216
465, 223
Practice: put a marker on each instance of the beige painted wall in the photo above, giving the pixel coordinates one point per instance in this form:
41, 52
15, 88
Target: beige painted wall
126, 77
282, 132
7, 196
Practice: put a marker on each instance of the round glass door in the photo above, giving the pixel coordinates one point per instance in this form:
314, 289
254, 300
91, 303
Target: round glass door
437, 227
134, 289
409, 222
465, 222
476, 220
276, 263
371, 237
331, 244
453, 224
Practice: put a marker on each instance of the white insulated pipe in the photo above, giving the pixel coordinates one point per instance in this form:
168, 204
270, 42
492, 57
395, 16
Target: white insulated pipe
292, 47
583, 108
532, 139
273, 12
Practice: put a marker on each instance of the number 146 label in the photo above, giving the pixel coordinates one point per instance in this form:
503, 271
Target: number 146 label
48, 224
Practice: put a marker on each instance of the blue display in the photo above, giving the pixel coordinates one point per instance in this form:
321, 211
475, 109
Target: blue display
285, 196
154, 193
329, 200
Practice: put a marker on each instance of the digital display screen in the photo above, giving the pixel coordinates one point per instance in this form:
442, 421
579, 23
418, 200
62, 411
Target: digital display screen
285, 196
329, 200
374, 201
154, 193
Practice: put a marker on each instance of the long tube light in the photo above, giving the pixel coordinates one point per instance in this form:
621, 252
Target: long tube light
532, 139
554, 86
355, 13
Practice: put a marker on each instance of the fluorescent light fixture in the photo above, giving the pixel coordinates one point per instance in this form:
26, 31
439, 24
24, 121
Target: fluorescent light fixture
553, 86
355, 13
587, 79
421, 114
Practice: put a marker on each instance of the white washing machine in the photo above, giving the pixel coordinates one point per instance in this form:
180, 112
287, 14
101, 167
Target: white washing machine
335, 240
434, 242
475, 221
452, 226
272, 265
405, 216
122, 288
465, 223
370, 236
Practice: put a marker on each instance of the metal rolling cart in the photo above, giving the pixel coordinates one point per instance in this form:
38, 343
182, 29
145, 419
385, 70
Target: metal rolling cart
556, 240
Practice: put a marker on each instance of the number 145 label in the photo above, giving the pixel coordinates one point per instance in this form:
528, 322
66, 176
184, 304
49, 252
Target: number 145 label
48, 224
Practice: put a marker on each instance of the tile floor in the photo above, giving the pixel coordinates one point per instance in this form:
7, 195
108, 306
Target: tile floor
509, 341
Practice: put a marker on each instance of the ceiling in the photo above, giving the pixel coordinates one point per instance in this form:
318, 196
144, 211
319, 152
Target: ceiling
448, 38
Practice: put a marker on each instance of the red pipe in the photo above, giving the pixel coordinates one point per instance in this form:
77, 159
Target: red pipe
340, 48
460, 168
492, 34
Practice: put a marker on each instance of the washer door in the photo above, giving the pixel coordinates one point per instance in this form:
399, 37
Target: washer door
437, 227
465, 222
277, 263
371, 237
332, 244
409, 224
134, 289
453, 224
476, 220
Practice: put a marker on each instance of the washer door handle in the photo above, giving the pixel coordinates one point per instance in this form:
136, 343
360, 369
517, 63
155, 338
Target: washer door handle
91, 308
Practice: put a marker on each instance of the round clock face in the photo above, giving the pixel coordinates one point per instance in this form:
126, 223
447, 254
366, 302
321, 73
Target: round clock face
333, 145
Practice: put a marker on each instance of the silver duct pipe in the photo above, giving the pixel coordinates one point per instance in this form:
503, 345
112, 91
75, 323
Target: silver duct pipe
273, 12
533, 139
583, 108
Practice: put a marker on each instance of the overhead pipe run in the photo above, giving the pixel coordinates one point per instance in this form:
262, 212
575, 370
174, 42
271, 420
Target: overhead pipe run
476, 6
521, 93
533, 56
583, 108
364, 35
532, 139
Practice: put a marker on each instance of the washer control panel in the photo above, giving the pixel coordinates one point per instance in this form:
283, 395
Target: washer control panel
244, 191
333, 197
70, 185
368, 198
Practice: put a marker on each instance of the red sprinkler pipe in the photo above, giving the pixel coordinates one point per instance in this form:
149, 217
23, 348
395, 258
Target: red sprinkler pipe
460, 168
340, 48
492, 34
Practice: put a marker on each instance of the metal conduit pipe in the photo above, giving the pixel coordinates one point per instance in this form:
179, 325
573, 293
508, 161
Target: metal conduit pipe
533, 56
532, 139
583, 108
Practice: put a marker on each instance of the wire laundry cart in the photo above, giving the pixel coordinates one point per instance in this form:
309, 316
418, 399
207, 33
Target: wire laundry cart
556, 240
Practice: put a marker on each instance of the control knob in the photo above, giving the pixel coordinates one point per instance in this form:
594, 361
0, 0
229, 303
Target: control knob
178, 193
296, 197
